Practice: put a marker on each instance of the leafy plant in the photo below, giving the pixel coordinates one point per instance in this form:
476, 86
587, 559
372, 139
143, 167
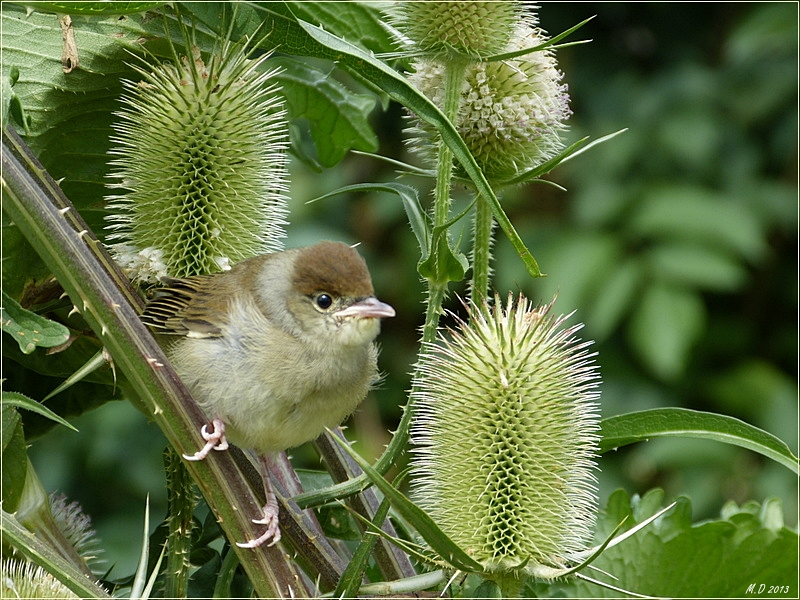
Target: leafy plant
646, 265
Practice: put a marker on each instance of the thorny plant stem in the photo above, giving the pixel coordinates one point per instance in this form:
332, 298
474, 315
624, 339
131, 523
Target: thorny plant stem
437, 288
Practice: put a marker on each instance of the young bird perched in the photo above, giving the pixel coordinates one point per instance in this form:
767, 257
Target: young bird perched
274, 350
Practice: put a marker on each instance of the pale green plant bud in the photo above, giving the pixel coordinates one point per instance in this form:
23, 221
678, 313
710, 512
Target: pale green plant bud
200, 165
512, 112
457, 29
506, 435
26, 580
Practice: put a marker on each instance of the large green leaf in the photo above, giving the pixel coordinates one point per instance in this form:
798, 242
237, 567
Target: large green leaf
338, 118
641, 426
69, 114
360, 23
728, 558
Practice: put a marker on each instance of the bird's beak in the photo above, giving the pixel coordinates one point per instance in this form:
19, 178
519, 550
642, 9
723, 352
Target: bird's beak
368, 308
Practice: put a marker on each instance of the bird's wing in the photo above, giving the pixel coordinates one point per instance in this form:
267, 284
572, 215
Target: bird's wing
184, 307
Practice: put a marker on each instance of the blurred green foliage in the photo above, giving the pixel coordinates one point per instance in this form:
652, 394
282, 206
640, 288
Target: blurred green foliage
675, 243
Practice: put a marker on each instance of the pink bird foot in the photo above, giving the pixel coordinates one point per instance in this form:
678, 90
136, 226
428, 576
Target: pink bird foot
215, 440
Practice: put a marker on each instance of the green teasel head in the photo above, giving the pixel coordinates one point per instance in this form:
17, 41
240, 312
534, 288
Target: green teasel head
199, 165
456, 30
512, 112
505, 437
22, 579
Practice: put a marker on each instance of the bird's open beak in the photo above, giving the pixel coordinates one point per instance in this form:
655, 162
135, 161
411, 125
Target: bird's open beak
368, 308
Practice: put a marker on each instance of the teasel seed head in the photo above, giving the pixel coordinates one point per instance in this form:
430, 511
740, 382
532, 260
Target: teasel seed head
76, 526
200, 164
22, 579
512, 111
506, 435
456, 29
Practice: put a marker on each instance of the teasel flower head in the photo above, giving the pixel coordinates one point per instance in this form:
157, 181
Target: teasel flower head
512, 112
76, 526
455, 30
506, 435
21, 579
200, 165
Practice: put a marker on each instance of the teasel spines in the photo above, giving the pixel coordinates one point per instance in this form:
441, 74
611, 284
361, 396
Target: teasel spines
505, 434
456, 30
512, 112
200, 153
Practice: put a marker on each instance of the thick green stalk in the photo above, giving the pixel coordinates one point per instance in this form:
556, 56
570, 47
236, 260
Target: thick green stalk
181, 499
44, 215
482, 250
437, 287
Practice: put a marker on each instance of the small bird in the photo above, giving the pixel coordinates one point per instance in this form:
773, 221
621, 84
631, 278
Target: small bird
274, 350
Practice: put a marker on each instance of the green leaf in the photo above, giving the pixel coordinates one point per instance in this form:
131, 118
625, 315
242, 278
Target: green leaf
417, 218
70, 114
359, 22
445, 263
548, 165
353, 575
93, 364
14, 457
629, 428
548, 44
21, 401
338, 118
424, 525
676, 558
29, 329
664, 327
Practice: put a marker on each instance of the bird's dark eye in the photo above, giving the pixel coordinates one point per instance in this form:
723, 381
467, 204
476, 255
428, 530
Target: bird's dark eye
324, 301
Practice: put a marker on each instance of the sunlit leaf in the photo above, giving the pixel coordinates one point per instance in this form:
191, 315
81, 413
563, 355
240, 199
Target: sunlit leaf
630, 428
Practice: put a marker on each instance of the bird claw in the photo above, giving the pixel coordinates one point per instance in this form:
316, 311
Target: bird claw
270, 519
215, 440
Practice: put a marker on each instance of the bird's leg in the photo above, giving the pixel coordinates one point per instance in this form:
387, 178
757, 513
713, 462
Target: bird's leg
270, 518
215, 440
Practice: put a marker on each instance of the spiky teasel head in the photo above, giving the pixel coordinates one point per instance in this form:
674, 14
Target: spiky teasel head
201, 157
506, 432
76, 526
512, 111
456, 30
26, 580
